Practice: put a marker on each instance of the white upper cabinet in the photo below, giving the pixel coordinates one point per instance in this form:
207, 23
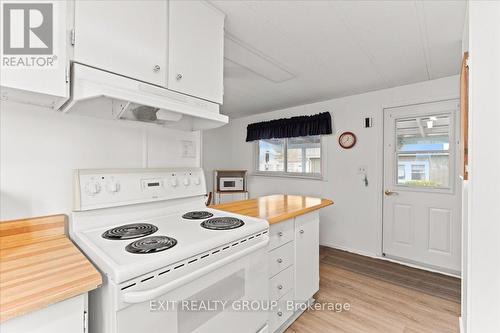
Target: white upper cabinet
196, 50
34, 70
124, 37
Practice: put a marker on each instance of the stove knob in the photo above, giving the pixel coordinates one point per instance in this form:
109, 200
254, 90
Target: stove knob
93, 188
112, 187
173, 182
185, 182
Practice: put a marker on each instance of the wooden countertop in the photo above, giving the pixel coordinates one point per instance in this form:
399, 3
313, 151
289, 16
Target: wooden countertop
275, 208
40, 266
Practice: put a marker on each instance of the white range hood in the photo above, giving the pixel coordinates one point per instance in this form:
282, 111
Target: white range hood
101, 94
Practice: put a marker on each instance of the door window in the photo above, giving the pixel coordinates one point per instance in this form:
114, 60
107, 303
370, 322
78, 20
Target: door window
423, 151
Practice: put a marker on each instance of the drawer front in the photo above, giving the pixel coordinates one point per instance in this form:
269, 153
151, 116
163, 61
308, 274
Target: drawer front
280, 258
280, 233
281, 284
279, 315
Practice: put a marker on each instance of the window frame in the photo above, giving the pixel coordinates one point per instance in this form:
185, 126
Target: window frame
452, 155
285, 173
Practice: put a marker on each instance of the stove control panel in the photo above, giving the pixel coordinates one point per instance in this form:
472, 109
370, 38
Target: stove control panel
116, 187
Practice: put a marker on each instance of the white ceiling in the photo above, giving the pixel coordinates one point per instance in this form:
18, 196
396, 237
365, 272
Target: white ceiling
285, 53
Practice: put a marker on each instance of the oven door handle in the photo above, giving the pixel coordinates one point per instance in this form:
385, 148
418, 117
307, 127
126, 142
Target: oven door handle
146, 295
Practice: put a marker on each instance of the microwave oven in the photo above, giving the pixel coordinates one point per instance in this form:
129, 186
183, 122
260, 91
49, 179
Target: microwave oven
231, 184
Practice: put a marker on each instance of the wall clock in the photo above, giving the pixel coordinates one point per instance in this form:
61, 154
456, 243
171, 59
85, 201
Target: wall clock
347, 140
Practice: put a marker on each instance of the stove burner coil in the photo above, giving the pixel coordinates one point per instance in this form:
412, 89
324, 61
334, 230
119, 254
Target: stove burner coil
222, 223
197, 215
130, 231
151, 244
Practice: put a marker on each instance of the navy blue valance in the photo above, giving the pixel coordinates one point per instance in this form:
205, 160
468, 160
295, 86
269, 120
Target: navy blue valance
318, 124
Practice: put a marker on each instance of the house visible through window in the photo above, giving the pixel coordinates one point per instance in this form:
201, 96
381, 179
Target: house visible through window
423, 151
418, 172
294, 156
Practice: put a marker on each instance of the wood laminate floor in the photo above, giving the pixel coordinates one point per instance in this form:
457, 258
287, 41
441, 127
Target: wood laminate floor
384, 297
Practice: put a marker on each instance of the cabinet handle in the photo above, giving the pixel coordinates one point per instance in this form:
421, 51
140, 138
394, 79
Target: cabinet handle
280, 287
301, 231
178, 77
156, 68
280, 314
279, 260
280, 233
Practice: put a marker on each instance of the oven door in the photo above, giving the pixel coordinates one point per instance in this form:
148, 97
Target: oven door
197, 305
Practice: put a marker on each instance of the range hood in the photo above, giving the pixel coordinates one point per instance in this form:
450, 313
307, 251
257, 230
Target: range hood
101, 94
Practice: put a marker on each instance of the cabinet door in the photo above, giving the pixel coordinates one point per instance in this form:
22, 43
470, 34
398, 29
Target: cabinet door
128, 38
65, 316
306, 256
196, 50
44, 81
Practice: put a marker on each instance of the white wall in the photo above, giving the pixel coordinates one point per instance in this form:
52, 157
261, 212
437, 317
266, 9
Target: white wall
483, 253
354, 221
39, 150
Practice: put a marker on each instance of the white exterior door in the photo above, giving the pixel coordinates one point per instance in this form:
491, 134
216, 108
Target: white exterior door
128, 38
421, 213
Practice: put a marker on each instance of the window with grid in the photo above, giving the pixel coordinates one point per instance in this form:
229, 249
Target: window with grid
423, 151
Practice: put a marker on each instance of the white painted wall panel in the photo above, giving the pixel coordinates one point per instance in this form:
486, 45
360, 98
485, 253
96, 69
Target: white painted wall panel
483, 193
39, 150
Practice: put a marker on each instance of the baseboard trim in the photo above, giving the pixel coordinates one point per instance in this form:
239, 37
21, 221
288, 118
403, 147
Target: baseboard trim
377, 256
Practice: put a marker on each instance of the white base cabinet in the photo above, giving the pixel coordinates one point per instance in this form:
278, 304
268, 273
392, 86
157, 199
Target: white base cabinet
293, 267
306, 256
66, 316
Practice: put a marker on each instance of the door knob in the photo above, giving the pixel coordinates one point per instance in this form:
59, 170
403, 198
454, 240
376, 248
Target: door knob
387, 192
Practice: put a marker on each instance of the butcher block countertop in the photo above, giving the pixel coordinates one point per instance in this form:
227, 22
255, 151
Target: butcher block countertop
40, 266
275, 208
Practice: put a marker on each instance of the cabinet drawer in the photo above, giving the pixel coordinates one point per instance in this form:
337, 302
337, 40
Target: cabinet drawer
279, 315
280, 258
281, 284
280, 233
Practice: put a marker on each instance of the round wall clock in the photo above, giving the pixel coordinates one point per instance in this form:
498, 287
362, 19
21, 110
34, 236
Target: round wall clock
347, 140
